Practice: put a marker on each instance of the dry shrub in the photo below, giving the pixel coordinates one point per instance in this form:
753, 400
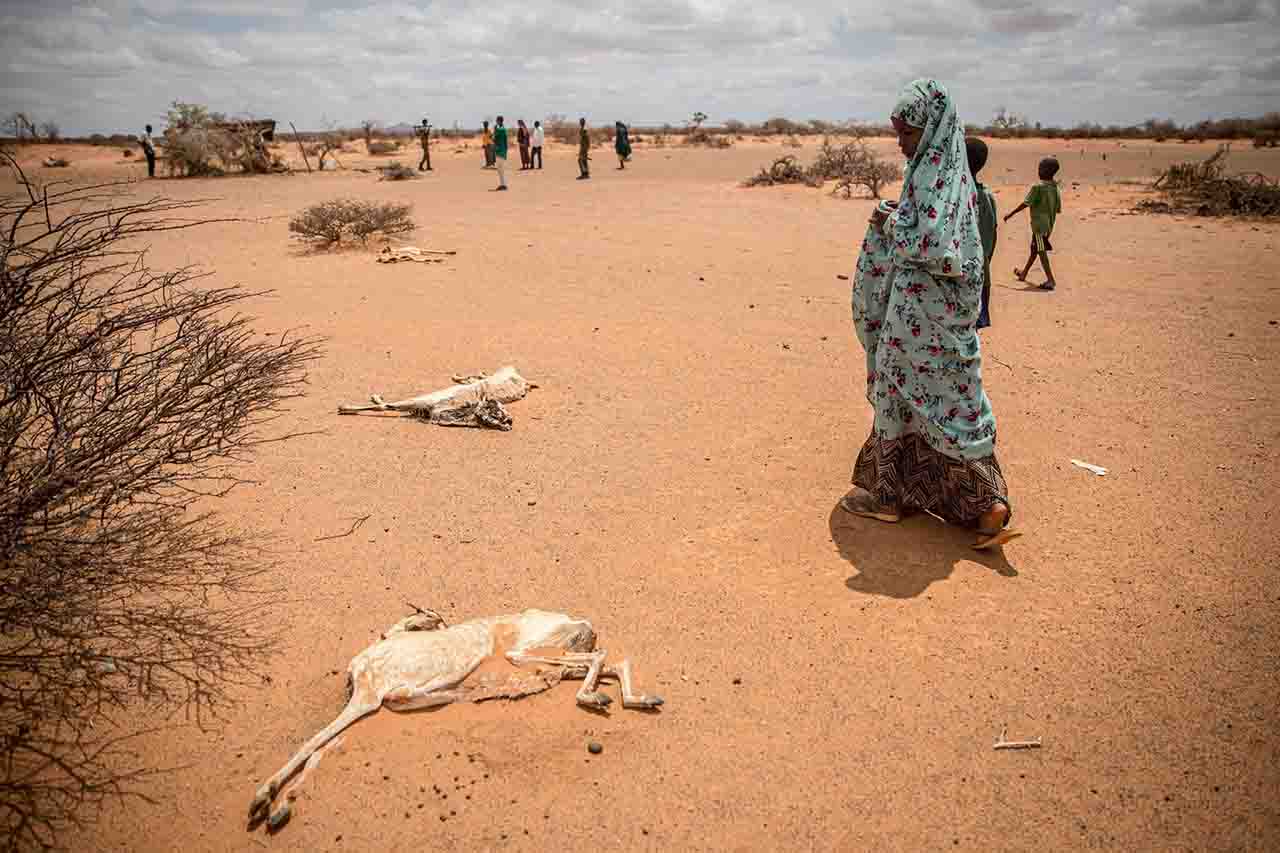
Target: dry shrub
397, 171
379, 147
853, 165
785, 170
561, 129
56, 162
328, 222
127, 153
1206, 189
128, 398
699, 136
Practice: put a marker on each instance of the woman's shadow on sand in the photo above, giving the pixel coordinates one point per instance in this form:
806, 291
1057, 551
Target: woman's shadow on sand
902, 560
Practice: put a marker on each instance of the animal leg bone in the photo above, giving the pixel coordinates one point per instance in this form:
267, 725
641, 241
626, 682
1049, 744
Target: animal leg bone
630, 699
358, 707
584, 665
415, 698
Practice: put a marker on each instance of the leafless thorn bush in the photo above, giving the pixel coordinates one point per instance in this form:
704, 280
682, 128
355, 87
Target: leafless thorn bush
329, 221
379, 147
785, 170
1206, 189
128, 399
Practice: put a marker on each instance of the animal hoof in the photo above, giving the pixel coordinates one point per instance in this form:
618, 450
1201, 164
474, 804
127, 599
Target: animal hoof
279, 818
258, 808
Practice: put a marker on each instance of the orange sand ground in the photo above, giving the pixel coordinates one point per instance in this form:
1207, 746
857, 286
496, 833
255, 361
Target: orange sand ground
675, 480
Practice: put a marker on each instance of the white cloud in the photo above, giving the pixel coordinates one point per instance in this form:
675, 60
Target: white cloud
116, 64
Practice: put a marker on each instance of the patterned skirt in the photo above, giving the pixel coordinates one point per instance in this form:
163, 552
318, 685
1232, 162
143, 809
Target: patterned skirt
908, 474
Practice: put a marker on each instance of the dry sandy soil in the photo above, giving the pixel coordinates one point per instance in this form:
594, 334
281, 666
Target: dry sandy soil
831, 683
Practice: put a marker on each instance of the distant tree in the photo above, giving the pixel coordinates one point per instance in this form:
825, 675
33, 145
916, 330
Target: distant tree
369, 126
1005, 120
698, 118
734, 126
22, 126
50, 131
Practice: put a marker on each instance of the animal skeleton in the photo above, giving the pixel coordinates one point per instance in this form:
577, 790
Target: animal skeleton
421, 663
474, 401
391, 255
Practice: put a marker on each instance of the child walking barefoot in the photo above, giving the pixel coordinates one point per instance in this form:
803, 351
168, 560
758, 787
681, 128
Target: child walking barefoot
1045, 202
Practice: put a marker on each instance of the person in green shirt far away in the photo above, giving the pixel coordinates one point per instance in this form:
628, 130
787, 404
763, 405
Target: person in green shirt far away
976, 152
500, 154
1045, 202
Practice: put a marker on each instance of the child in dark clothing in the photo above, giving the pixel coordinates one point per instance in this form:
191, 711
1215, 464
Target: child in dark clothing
1045, 202
976, 150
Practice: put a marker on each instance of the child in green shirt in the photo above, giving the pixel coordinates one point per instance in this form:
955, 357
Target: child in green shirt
976, 152
1045, 202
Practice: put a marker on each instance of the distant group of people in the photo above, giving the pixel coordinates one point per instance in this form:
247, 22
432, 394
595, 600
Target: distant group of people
921, 291
495, 143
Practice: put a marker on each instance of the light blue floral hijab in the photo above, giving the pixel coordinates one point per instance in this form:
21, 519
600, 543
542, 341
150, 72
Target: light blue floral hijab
936, 223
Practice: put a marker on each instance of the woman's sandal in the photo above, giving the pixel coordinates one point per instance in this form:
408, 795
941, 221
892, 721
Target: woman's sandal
993, 538
862, 503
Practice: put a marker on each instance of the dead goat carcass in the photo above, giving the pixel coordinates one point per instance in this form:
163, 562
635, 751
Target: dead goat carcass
421, 663
475, 401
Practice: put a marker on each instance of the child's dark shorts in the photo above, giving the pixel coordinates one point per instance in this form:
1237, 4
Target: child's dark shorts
1040, 244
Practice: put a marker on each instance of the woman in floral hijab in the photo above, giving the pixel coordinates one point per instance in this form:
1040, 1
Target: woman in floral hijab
916, 296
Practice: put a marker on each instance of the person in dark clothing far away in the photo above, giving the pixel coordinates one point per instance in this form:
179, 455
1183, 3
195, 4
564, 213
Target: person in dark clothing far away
522, 139
424, 136
621, 144
584, 150
149, 149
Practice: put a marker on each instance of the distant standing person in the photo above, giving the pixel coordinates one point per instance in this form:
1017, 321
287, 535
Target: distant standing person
500, 154
584, 150
621, 144
149, 149
487, 139
522, 139
424, 136
976, 151
1045, 202
538, 138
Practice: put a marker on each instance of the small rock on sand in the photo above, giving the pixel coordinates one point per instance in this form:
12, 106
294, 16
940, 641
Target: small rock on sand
595, 747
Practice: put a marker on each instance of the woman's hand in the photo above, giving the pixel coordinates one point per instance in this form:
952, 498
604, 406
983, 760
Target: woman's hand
879, 216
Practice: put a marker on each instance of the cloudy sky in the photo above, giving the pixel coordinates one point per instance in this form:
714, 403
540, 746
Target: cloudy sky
113, 65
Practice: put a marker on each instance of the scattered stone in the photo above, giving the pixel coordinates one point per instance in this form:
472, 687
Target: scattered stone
737, 681
595, 747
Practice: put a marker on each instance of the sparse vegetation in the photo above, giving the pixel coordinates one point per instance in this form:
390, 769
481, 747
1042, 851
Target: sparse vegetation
853, 165
127, 398
1207, 190
381, 147
329, 222
202, 143
785, 170
56, 162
